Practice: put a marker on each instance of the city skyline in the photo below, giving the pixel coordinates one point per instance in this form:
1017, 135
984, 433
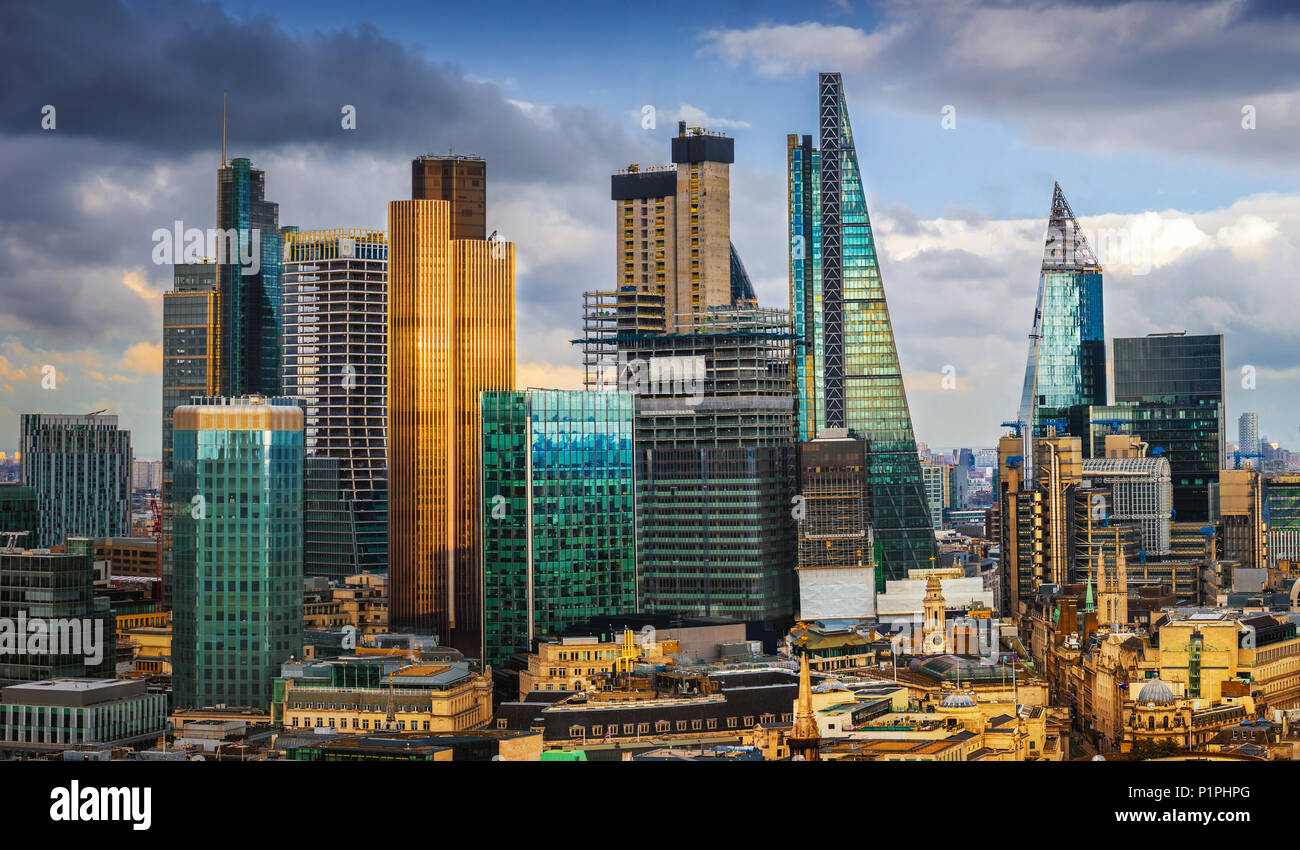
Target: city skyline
734, 382
958, 245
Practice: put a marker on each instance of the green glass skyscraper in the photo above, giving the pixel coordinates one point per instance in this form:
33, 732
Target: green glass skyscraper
846, 363
237, 531
559, 521
248, 279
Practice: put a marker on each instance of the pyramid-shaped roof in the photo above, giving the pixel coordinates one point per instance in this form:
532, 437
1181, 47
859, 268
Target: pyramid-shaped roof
1066, 248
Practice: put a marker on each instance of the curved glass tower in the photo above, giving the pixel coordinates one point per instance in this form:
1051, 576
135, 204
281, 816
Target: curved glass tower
237, 477
846, 362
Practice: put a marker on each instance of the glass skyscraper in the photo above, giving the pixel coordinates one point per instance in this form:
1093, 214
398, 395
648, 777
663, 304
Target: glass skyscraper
1067, 347
451, 335
237, 484
335, 355
559, 522
249, 293
1176, 383
846, 363
58, 589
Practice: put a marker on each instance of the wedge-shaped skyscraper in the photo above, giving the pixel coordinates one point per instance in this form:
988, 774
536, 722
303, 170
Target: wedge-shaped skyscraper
846, 363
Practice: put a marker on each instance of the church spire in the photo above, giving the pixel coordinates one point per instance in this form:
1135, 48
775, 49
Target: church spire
805, 738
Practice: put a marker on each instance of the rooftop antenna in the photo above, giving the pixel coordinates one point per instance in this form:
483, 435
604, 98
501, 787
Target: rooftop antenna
223, 129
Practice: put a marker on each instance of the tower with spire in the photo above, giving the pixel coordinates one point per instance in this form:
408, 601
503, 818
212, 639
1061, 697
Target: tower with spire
933, 618
805, 737
1112, 587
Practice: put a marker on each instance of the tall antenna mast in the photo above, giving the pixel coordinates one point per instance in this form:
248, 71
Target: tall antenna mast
223, 129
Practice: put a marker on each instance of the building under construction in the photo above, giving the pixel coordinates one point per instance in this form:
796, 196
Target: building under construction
726, 382
715, 466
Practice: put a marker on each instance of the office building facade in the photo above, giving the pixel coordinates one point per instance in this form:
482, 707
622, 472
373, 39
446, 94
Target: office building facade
715, 465
836, 561
335, 359
934, 475
191, 367
846, 366
559, 515
1282, 505
18, 512
80, 469
1169, 390
1140, 494
238, 538
673, 226
53, 594
451, 335
85, 713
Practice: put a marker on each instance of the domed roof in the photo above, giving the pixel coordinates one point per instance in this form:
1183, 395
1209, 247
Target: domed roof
958, 701
1157, 692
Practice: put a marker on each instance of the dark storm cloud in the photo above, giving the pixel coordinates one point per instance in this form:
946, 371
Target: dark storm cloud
150, 75
137, 88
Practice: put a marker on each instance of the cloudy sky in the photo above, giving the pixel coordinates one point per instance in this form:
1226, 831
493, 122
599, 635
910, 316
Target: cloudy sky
1171, 127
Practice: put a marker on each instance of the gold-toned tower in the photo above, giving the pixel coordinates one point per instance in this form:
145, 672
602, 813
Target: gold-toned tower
451, 334
934, 619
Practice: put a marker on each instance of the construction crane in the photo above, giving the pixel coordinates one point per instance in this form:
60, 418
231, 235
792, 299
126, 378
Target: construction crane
1061, 425
1113, 424
1016, 426
1014, 461
97, 412
1238, 455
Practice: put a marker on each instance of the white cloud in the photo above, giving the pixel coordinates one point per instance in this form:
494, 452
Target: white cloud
779, 49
